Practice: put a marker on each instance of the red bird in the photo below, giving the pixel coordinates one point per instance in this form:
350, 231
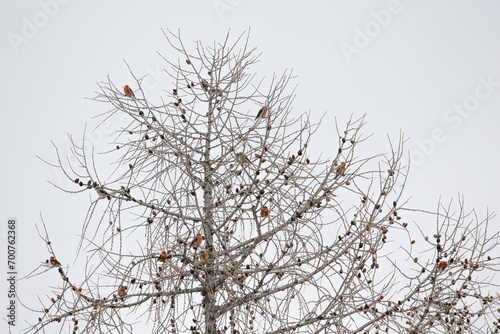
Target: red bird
197, 240
341, 169
264, 211
442, 265
122, 291
163, 256
203, 256
128, 91
262, 113
54, 262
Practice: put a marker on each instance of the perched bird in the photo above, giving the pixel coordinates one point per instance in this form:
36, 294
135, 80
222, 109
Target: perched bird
241, 279
163, 256
204, 84
264, 211
203, 256
341, 169
243, 158
128, 91
262, 113
197, 240
101, 192
442, 265
54, 262
122, 290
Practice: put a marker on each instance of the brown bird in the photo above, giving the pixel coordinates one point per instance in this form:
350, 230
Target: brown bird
203, 256
163, 256
122, 291
341, 169
54, 262
264, 212
442, 265
128, 91
262, 113
197, 240
204, 84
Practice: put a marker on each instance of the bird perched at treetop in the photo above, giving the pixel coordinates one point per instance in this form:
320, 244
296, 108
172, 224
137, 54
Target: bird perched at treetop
128, 91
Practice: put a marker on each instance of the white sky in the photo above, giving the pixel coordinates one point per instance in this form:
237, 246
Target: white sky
422, 61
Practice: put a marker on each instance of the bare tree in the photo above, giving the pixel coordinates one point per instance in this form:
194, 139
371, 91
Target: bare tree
216, 219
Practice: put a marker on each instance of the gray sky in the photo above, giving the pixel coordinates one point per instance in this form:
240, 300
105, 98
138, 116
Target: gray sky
428, 69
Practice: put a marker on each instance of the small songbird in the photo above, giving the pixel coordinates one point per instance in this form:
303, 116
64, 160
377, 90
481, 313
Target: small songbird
341, 169
243, 158
442, 265
128, 91
163, 256
264, 211
203, 256
101, 192
54, 262
197, 240
241, 279
262, 113
204, 84
122, 291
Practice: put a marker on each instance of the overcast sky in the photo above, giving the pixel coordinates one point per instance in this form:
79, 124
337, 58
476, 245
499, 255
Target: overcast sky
428, 69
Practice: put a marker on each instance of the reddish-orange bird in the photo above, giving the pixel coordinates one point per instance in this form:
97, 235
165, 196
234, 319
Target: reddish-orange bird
163, 256
204, 84
341, 169
54, 262
203, 255
197, 240
122, 290
443, 265
262, 113
128, 91
264, 212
